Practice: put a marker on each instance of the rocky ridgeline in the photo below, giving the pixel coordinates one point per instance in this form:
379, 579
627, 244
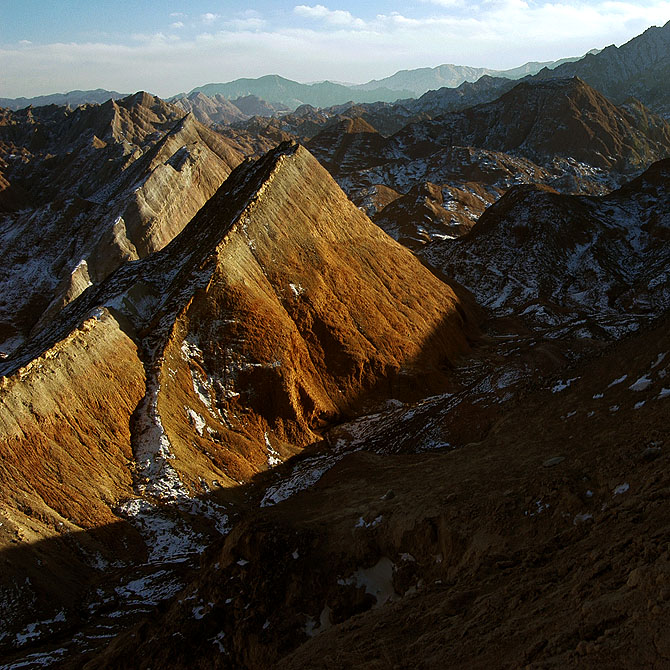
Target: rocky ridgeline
100, 185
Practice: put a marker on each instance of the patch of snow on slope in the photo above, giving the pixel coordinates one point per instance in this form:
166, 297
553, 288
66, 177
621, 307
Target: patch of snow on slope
377, 581
150, 589
641, 384
197, 421
562, 385
304, 474
153, 453
618, 381
274, 458
168, 536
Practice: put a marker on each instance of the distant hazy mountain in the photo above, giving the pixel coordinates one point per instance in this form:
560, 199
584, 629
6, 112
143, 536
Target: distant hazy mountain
73, 98
430, 78
276, 89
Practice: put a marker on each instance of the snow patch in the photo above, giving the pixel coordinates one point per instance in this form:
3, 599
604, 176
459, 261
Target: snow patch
304, 475
168, 537
618, 381
362, 523
274, 457
197, 421
377, 580
562, 385
641, 384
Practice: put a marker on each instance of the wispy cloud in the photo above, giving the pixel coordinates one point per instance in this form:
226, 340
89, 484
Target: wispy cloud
250, 23
177, 24
336, 17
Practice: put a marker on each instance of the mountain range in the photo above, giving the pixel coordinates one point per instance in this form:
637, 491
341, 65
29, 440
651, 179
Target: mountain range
422, 80
636, 69
73, 98
364, 386
290, 94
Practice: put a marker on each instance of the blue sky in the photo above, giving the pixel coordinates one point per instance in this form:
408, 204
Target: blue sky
167, 46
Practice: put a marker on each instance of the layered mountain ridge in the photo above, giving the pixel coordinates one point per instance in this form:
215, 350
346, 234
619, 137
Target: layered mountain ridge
119, 180
233, 347
561, 133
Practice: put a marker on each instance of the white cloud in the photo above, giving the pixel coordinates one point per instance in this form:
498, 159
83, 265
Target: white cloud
177, 24
209, 17
178, 15
445, 3
337, 17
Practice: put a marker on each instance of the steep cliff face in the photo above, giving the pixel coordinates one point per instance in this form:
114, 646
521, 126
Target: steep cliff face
210, 110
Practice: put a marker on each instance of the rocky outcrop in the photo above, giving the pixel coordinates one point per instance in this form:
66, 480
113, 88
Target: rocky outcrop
428, 213
117, 181
560, 259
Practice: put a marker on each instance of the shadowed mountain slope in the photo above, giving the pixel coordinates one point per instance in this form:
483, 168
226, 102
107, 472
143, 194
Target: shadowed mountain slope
639, 68
540, 120
560, 259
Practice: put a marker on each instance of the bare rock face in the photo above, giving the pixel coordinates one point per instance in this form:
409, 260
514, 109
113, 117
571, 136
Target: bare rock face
210, 110
66, 462
349, 144
279, 309
307, 321
129, 174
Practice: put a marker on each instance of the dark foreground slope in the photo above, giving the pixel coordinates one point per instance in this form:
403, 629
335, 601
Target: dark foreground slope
517, 520
539, 539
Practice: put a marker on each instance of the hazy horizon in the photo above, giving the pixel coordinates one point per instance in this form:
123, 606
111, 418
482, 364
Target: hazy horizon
166, 47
